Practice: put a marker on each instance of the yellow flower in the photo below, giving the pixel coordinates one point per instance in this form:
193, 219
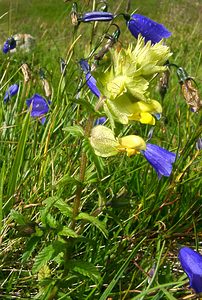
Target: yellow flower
124, 109
105, 143
125, 85
131, 144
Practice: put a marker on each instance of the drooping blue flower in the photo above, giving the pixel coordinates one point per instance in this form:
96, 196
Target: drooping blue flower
100, 121
101, 16
149, 29
10, 44
11, 91
191, 262
39, 107
160, 159
90, 80
199, 144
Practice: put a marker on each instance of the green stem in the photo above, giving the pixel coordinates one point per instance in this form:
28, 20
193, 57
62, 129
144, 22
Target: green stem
77, 200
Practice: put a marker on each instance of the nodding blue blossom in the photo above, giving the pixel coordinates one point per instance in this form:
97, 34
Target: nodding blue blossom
149, 29
10, 44
160, 159
100, 121
191, 262
101, 16
199, 144
39, 107
11, 91
90, 80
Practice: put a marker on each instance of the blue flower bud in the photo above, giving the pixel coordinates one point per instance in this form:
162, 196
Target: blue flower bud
90, 80
12, 90
100, 121
149, 29
191, 262
97, 16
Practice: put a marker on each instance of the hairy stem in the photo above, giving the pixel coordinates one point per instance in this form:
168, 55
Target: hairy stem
83, 164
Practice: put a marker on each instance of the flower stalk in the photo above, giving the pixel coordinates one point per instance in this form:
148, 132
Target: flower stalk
83, 164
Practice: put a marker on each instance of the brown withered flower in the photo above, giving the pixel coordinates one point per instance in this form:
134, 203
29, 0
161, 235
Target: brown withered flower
189, 91
45, 84
26, 72
73, 15
164, 83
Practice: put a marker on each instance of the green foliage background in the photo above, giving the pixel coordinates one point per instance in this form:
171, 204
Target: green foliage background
130, 224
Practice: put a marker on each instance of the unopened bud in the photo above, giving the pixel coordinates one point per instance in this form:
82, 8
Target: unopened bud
47, 88
26, 72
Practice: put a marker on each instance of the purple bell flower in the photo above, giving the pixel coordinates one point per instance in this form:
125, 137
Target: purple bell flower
191, 262
39, 107
10, 44
90, 80
97, 16
100, 121
160, 159
11, 91
149, 29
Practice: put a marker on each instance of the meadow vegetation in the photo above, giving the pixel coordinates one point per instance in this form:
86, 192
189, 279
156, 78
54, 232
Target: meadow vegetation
123, 241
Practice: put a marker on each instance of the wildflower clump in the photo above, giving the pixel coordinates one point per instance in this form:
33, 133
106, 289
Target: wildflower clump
126, 85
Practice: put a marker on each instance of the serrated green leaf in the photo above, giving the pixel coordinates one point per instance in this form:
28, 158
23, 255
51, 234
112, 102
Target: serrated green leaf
31, 245
42, 258
17, 217
50, 201
95, 221
66, 231
63, 207
51, 221
67, 179
86, 269
75, 130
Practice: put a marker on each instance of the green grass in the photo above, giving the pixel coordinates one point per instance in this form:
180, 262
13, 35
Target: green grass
131, 223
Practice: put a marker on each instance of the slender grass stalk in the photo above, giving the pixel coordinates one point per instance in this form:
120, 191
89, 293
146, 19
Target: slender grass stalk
2, 173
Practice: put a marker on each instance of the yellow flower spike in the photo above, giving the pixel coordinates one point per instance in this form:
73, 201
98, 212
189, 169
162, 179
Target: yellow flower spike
131, 144
150, 59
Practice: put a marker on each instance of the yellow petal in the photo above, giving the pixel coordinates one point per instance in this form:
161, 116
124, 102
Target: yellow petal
132, 142
144, 118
